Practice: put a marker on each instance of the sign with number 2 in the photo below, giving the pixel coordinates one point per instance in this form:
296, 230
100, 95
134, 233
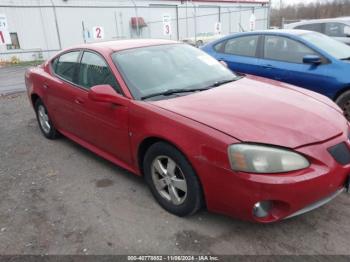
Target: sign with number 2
98, 32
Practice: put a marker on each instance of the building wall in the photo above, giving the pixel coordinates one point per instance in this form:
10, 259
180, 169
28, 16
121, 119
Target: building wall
41, 35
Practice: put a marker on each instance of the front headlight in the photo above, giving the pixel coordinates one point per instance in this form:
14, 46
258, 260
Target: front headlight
264, 159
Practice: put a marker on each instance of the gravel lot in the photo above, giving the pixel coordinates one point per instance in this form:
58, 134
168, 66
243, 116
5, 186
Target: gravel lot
12, 79
58, 198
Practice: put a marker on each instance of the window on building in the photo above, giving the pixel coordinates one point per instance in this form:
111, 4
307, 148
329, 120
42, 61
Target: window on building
285, 49
242, 46
66, 65
95, 71
14, 42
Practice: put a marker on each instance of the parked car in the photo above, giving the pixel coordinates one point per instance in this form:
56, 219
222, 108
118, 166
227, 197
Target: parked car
302, 58
247, 147
201, 39
337, 28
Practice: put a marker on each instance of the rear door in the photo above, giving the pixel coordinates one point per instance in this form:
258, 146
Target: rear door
61, 92
240, 53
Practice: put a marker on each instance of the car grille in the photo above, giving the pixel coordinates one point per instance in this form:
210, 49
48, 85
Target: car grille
341, 153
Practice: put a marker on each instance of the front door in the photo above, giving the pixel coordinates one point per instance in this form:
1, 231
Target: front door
103, 125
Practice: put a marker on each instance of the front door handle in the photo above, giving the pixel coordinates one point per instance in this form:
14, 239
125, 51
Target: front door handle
79, 101
269, 67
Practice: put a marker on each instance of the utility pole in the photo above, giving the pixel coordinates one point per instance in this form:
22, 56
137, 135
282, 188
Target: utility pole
137, 19
56, 23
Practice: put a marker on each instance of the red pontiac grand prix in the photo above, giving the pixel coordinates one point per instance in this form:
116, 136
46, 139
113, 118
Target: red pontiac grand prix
244, 146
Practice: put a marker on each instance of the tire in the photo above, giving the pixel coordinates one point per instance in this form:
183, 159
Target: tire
343, 101
178, 176
45, 124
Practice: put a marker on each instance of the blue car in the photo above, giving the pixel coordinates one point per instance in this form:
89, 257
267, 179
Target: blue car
303, 58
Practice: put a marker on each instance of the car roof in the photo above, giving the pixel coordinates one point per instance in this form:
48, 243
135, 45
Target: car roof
315, 21
282, 31
119, 45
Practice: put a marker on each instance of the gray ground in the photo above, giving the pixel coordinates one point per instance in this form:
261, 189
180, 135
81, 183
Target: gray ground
12, 79
58, 198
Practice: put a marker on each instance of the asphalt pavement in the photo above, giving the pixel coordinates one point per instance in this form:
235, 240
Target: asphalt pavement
12, 79
58, 198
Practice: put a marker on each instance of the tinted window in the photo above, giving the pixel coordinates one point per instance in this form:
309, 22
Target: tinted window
311, 27
285, 49
94, 71
335, 29
243, 46
65, 65
218, 47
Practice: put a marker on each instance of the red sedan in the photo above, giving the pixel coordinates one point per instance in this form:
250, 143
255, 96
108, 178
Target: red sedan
244, 146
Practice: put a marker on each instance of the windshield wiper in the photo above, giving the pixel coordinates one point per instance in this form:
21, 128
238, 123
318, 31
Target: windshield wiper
186, 90
345, 58
219, 83
174, 91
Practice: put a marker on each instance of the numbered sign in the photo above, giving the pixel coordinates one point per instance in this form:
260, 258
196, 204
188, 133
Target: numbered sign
166, 25
252, 22
3, 22
217, 28
5, 38
98, 32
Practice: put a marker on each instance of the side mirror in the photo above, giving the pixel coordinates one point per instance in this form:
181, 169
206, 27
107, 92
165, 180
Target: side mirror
105, 94
312, 59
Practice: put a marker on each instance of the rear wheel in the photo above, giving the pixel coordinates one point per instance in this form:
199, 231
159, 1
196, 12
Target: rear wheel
44, 121
343, 101
172, 180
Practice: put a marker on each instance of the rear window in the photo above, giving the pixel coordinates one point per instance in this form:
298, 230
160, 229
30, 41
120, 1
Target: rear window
65, 65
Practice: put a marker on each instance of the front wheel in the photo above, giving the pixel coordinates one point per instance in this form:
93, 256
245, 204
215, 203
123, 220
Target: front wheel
343, 101
172, 180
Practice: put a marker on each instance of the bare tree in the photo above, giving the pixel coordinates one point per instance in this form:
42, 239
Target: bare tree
315, 10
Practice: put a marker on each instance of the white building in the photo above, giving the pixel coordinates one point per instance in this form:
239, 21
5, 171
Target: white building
40, 28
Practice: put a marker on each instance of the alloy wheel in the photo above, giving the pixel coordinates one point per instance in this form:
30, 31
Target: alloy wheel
169, 180
44, 119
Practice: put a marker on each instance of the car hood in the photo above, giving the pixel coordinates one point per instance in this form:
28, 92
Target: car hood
263, 111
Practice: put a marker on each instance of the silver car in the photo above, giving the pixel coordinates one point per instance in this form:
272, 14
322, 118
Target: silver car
337, 28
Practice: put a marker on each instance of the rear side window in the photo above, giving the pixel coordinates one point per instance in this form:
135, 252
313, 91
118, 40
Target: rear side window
218, 47
311, 27
242, 46
95, 71
66, 65
285, 49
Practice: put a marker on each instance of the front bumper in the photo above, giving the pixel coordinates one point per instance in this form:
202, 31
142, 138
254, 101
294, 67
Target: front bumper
317, 204
235, 193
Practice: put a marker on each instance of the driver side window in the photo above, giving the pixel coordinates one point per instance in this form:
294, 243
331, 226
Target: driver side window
285, 49
95, 71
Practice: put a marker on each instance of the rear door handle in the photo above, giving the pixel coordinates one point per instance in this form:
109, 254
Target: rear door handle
46, 86
79, 101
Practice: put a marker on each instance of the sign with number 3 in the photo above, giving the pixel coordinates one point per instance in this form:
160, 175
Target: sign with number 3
98, 32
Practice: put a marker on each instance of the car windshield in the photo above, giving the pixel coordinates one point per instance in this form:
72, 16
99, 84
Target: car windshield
160, 69
333, 47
